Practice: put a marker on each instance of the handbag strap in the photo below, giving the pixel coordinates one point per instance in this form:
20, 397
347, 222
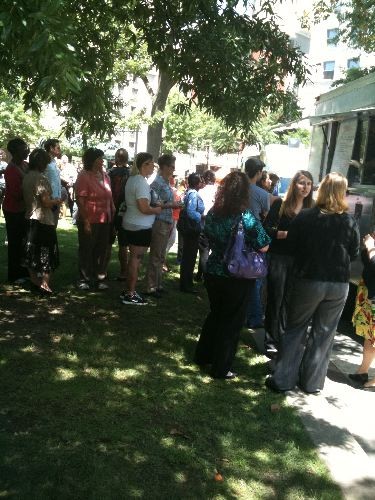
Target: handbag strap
236, 223
187, 199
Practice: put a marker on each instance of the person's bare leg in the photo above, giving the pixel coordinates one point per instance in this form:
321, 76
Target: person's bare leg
123, 259
368, 357
45, 282
136, 254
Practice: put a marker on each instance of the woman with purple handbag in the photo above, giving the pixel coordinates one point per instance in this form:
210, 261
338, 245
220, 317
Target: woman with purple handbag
228, 295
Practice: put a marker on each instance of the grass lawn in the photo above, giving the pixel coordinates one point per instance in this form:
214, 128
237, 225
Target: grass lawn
100, 400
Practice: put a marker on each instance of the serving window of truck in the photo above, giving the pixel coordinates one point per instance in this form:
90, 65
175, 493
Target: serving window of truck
343, 140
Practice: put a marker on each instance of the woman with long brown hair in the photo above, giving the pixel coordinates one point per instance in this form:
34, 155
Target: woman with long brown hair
324, 240
228, 296
279, 276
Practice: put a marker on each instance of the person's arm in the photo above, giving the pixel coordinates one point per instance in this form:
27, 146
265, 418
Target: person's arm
52, 178
81, 193
48, 202
173, 204
83, 214
160, 190
272, 221
355, 244
142, 193
255, 233
108, 184
369, 243
273, 199
191, 207
144, 207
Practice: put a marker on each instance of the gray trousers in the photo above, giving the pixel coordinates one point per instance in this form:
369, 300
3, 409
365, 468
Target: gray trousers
304, 356
279, 288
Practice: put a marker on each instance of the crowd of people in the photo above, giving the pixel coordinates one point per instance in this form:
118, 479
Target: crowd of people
309, 244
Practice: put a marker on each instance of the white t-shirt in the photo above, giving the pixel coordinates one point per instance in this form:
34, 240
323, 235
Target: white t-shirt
208, 196
135, 189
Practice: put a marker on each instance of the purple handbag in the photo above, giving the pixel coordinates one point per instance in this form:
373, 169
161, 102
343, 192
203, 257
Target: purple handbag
241, 260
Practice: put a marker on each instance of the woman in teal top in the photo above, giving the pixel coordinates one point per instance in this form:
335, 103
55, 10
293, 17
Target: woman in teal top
228, 296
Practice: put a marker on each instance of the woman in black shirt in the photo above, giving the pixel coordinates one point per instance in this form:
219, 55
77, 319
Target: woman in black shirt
324, 240
277, 223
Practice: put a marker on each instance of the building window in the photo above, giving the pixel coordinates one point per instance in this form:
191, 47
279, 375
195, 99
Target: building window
132, 109
134, 91
131, 145
332, 37
328, 70
353, 63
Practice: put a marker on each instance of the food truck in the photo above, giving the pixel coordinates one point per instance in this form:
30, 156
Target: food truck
343, 140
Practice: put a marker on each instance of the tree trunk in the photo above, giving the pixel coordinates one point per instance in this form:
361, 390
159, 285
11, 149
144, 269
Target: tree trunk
154, 132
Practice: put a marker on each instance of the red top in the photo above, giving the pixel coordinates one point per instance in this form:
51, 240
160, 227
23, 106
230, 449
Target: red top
97, 196
176, 211
13, 199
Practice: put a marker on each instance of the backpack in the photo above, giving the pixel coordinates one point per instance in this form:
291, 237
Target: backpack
118, 177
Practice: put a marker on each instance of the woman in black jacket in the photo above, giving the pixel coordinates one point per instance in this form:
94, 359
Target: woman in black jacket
324, 240
279, 278
364, 313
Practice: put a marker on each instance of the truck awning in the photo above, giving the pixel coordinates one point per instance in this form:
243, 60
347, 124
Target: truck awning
332, 117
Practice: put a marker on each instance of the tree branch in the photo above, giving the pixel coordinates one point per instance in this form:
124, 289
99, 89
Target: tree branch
144, 79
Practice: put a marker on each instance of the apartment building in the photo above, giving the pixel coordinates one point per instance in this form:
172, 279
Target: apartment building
326, 58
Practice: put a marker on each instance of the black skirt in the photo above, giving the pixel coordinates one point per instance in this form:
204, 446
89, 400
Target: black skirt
41, 248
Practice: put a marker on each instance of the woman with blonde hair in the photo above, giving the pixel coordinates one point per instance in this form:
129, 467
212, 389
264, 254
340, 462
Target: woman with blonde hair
279, 278
137, 222
324, 240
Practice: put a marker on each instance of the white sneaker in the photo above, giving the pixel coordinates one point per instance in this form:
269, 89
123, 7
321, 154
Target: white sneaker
83, 286
102, 286
134, 299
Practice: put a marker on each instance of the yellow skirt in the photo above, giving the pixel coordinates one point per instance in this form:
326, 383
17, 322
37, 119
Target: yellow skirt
364, 314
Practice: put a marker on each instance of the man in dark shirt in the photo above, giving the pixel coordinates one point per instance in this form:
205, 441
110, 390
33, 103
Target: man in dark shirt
119, 175
259, 205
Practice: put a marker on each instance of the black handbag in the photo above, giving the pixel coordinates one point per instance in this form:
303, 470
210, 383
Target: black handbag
187, 226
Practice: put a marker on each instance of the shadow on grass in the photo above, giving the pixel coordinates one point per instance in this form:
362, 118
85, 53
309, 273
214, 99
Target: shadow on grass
101, 400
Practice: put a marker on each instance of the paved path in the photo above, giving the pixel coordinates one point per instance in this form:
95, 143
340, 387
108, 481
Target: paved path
341, 422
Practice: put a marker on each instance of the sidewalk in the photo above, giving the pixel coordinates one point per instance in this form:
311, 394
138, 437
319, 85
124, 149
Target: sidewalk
341, 421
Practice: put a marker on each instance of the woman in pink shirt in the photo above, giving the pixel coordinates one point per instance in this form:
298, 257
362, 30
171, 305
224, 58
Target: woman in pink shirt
14, 209
95, 214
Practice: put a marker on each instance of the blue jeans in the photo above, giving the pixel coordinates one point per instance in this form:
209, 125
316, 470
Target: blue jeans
255, 307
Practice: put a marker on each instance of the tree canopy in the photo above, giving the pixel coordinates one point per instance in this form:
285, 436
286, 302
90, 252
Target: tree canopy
65, 53
15, 122
195, 129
